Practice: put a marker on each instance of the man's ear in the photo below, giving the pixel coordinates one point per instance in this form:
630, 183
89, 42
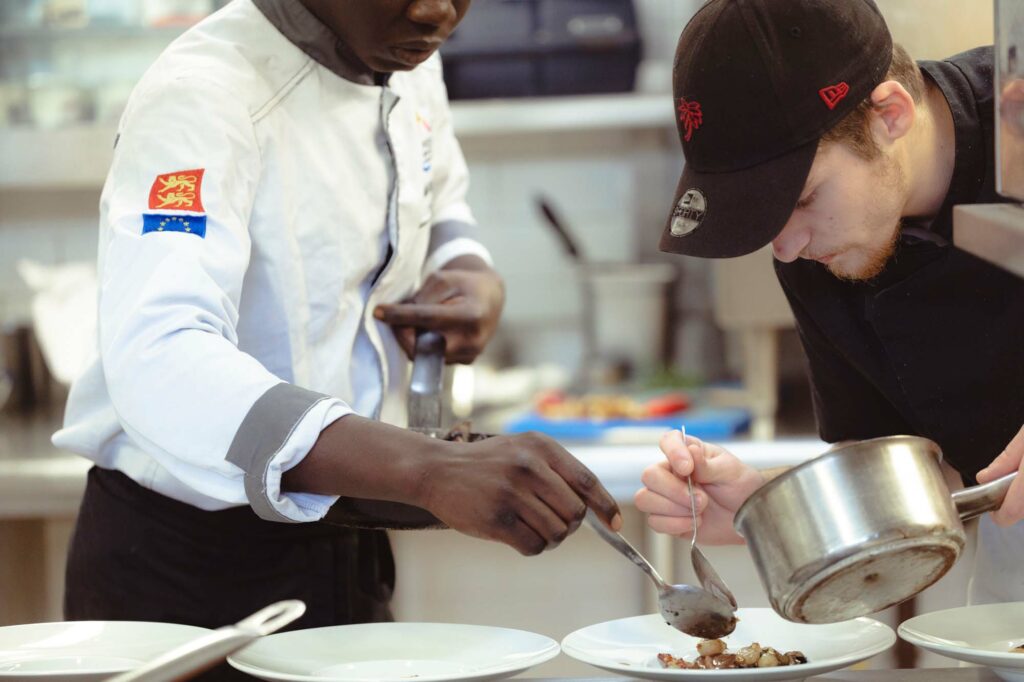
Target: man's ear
893, 112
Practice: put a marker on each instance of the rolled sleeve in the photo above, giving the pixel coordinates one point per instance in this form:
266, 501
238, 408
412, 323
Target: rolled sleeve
275, 436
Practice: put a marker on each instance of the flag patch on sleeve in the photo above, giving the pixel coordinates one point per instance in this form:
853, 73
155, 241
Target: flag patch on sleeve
190, 224
178, 191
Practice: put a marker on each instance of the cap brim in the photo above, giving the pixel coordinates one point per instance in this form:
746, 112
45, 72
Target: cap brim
725, 215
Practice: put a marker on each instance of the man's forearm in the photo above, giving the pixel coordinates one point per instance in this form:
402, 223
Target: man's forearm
359, 457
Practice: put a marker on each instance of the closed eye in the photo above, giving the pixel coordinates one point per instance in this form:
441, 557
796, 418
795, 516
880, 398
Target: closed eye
807, 201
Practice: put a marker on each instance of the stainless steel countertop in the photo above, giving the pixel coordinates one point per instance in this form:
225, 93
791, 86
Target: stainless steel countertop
38, 480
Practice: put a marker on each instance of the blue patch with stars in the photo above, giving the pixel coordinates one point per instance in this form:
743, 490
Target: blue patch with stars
158, 222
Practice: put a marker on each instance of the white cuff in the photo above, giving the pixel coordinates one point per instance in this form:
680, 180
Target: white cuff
303, 507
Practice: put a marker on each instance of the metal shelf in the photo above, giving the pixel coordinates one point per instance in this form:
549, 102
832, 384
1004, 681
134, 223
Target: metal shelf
90, 32
78, 158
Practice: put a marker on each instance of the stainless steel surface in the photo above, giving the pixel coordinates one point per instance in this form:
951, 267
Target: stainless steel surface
194, 657
690, 609
706, 573
858, 529
426, 383
976, 500
1009, 89
994, 232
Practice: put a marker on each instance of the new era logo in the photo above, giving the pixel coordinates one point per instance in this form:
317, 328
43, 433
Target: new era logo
832, 94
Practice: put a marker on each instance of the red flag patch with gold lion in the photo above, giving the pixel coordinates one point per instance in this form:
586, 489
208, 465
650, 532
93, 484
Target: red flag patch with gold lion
178, 191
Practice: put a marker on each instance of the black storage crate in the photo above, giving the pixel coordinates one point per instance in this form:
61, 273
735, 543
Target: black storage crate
524, 48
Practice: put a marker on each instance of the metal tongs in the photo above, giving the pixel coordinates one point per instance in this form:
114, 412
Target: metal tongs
426, 384
194, 657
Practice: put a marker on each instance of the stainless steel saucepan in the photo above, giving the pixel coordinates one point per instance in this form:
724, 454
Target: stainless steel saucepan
860, 528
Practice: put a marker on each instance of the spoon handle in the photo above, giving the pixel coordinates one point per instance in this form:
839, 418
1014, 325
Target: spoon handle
689, 490
620, 543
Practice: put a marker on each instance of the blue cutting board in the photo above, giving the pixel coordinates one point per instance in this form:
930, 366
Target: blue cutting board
705, 423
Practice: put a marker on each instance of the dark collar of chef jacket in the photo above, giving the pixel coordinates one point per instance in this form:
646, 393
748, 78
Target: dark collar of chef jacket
309, 34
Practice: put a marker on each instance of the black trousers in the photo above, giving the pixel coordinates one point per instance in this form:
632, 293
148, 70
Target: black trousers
138, 555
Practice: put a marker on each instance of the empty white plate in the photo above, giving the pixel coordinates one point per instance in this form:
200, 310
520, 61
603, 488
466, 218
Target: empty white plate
379, 652
83, 651
981, 634
630, 646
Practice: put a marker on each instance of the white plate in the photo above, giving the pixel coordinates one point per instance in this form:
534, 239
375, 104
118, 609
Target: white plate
377, 652
981, 634
630, 646
81, 651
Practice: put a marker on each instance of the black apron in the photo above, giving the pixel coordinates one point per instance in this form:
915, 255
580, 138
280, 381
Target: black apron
138, 555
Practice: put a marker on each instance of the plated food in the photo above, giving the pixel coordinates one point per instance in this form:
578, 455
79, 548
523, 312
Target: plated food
631, 647
712, 654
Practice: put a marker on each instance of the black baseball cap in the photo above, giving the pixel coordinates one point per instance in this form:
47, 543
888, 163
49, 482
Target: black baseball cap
756, 83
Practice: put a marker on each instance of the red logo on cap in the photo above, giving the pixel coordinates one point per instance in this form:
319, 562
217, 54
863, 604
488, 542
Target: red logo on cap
833, 94
691, 116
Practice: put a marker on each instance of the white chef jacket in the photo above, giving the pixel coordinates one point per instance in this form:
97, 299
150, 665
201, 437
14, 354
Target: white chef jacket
259, 206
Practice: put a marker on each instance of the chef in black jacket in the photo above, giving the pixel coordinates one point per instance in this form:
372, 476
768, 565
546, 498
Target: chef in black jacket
803, 126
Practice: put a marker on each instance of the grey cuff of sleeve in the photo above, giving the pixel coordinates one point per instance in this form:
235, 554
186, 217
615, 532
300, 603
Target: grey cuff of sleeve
449, 230
264, 431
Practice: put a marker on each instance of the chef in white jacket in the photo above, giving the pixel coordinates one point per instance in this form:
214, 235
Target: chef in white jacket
286, 204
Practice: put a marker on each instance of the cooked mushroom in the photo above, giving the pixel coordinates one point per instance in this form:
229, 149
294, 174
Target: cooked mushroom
712, 654
710, 647
748, 656
768, 659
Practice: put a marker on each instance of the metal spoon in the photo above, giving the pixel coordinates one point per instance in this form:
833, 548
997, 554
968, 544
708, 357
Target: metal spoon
706, 573
687, 608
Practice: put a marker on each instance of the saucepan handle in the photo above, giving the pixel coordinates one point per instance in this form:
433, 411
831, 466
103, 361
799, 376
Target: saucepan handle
978, 499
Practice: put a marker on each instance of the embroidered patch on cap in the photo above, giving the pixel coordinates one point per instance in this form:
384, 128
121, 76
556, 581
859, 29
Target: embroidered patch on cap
189, 224
688, 213
691, 116
832, 94
178, 191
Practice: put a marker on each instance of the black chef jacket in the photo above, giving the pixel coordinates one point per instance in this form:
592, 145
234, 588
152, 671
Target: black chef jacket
934, 346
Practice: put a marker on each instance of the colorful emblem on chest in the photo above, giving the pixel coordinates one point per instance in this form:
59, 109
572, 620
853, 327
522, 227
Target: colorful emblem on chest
178, 191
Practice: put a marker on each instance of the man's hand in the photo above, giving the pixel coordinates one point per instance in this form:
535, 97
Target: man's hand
1008, 461
463, 301
523, 490
721, 483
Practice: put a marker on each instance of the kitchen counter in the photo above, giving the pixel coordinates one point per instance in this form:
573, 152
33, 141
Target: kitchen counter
41, 488
37, 479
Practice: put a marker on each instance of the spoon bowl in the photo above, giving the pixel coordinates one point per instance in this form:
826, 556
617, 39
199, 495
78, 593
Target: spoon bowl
690, 609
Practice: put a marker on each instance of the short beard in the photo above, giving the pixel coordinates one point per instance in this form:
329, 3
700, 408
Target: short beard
876, 258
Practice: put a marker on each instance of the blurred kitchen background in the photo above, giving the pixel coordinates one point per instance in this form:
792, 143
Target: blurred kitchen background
565, 118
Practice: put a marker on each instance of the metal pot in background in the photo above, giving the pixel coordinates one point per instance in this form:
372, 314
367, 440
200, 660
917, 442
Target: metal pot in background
624, 311
860, 528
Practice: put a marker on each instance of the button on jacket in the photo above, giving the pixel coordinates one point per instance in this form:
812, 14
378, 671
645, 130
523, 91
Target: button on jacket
258, 208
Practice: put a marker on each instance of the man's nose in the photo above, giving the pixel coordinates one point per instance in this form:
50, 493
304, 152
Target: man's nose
793, 239
432, 12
